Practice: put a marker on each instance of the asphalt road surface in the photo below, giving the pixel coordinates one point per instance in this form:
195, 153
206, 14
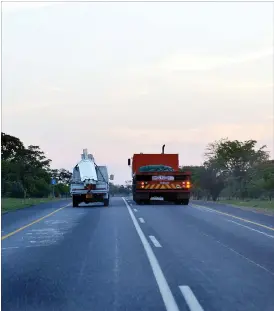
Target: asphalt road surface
127, 257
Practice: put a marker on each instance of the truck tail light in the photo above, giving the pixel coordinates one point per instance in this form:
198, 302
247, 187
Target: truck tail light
142, 184
186, 184
90, 187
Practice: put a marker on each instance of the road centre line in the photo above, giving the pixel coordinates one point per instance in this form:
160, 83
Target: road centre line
190, 299
235, 222
164, 288
155, 241
32, 223
236, 217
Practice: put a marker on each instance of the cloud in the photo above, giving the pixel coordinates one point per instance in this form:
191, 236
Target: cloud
199, 61
56, 89
258, 131
11, 6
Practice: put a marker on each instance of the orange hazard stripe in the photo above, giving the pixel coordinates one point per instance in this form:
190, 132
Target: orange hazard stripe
162, 186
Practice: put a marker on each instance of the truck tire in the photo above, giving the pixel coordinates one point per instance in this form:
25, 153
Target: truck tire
106, 202
185, 201
75, 202
178, 202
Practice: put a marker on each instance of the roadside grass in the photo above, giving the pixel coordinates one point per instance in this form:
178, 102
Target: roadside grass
12, 204
259, 204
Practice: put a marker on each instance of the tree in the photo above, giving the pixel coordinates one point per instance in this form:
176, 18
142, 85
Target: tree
10, 146
33, 167
25, 171
197, 172
234, 160
62, 175
262, 178
128, 186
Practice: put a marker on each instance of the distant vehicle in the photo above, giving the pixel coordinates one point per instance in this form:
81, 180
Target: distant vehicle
158, 175
90, 182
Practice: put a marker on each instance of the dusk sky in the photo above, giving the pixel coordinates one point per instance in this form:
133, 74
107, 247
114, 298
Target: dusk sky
124, 78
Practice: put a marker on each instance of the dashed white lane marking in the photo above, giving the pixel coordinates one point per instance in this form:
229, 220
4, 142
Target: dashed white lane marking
142, 220
164, 288
252, 229
190, 298
135, 210
11, 247
155, 241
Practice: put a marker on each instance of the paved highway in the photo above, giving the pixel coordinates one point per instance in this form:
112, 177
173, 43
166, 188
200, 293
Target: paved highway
127, 257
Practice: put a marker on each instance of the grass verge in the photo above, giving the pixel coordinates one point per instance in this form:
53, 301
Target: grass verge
251, 203
12, 204
261, 206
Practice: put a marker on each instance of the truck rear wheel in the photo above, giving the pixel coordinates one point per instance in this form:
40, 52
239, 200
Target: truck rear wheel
185, 201
106, 202
75, 201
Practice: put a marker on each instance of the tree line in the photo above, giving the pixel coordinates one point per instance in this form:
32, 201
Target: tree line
233, 170
26, 171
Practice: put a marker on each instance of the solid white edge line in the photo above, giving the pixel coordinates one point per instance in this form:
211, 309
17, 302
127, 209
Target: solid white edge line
155, 241
142, 220
252, 229
233, 250
164, 288
235, 217
203, 208
190, 299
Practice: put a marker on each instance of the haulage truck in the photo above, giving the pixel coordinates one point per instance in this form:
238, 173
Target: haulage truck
159, 175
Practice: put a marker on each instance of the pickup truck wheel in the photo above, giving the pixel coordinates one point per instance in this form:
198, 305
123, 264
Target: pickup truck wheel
75, 202
106, 202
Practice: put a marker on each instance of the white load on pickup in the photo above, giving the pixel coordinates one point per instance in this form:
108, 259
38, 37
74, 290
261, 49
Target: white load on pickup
90, 182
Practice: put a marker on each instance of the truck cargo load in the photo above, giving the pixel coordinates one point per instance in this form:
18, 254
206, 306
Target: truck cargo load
159, 175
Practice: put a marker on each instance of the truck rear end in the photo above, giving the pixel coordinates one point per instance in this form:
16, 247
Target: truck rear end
90, 182
158, 175
87, 192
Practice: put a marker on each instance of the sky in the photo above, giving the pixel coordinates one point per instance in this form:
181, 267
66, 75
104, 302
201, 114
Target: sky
124, 78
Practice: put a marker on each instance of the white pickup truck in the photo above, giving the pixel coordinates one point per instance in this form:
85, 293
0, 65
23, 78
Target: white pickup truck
90, 182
